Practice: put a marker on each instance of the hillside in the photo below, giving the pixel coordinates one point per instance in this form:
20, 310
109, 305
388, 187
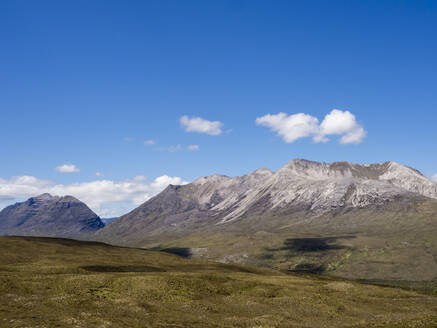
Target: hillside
47, 282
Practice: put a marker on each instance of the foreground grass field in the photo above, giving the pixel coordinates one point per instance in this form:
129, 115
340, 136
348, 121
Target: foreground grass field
64, 283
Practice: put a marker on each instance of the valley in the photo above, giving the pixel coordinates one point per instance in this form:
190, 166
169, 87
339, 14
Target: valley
49, 282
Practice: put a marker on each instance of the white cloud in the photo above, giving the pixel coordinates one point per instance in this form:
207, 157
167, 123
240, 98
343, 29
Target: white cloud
193, 147
99, 174
354, 136
296, 126
22, 186
200, 125
342, 123
292, 127
434, 177
67, 168
105, 197
149, 142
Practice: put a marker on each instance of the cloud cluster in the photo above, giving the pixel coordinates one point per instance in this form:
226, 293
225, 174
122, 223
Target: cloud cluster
341, 123
106, 197
200, 125
434, 177
67, 168
291, 127
297, 126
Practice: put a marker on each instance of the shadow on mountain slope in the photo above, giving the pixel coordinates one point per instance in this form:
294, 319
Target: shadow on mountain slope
303, 245
121, 268
180, 251
315, 255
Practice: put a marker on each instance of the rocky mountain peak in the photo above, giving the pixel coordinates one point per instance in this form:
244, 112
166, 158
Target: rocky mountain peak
45, 196
47, 215
337, 170
410, 179
211, 179
317, 186
320, 187
263, 172
316, 170
401, 170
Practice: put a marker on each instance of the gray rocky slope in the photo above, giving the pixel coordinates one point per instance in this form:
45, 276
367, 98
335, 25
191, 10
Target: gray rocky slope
301, 186
47, 215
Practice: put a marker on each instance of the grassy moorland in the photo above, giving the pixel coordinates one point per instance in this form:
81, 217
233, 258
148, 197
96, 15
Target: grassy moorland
64, 283
393, 245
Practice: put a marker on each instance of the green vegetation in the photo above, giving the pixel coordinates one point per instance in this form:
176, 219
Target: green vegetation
393, 245
49, 283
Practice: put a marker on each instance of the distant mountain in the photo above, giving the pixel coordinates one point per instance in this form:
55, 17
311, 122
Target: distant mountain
374, 221
301, 186
47, 215
107, 220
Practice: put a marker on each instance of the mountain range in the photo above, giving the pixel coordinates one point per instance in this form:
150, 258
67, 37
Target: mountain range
304, 187
376, 222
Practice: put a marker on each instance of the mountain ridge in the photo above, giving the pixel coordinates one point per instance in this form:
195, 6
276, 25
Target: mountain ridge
321, 186
300, 185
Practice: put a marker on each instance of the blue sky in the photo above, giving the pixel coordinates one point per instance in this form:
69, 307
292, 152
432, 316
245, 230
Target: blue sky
87, 82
